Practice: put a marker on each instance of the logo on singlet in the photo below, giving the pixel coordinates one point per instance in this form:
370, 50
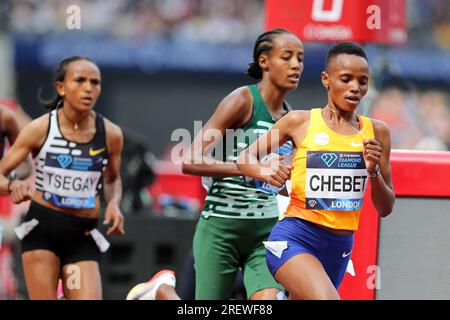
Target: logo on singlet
312, 203
328, 158
322, 139
93, 152
356, 144
64, 160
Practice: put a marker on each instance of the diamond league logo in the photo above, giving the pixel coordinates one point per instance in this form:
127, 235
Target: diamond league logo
312, 203
328, 158
64, 160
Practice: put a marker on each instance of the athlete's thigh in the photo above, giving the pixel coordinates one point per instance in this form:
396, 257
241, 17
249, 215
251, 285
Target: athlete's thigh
336, 259
41, 269
82, 281
215, 260
304, 277
259, 282
293, 248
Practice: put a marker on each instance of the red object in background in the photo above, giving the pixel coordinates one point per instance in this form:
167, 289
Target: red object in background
9, 103
5, 206
171, 181
414, 174
421, 173
367, 21
364, 256
5, 201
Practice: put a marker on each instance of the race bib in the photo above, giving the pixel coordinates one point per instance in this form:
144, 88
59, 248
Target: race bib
335, 180
71, 181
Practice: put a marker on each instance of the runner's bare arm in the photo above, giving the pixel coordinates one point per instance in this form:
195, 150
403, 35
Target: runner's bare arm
113, 181
231, 113
290, 127
12, 129
378, 152
29, 139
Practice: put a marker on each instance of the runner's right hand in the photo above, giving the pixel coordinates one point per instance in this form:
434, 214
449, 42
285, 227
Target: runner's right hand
275, 172
20, 191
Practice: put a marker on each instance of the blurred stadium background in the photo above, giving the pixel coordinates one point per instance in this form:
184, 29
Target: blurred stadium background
168, 63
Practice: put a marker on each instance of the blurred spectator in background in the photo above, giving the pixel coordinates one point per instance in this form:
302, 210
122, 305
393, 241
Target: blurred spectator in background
391, 107
10, 213
418, 121
428, 23
137, 172
5, 8
21, 116
435, 111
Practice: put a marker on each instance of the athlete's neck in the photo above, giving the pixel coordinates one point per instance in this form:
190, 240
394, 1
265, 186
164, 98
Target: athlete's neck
76, 119
272, 97
349, 116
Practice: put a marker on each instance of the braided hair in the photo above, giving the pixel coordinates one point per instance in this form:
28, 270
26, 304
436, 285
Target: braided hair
264, 43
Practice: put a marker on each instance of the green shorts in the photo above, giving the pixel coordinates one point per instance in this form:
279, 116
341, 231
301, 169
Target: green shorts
221, 247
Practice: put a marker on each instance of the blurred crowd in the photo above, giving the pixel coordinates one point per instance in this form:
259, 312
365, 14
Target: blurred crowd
417, 120
429, 23
233, 21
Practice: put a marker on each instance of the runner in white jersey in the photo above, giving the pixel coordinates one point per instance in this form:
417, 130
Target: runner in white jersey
77, 154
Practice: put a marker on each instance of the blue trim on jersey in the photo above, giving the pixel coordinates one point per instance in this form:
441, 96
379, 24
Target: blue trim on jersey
334, 204
335, 160
69, 202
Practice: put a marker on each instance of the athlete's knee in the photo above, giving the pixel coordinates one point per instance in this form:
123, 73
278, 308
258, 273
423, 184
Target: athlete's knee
265, 294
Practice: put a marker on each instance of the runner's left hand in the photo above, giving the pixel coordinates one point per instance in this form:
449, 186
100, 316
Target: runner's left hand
114, 216
372, 153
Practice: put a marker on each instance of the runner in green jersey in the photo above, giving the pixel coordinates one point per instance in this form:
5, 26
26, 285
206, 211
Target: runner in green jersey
238, 216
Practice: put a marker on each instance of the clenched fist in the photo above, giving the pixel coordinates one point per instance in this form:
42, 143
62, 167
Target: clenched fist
20, 191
